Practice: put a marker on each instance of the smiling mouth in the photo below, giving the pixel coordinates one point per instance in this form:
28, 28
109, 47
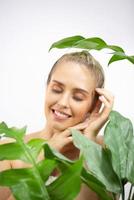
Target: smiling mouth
60, 115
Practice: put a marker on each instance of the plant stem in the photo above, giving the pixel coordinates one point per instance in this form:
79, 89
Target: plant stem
133, 197
130, 192
37, 174
123, 193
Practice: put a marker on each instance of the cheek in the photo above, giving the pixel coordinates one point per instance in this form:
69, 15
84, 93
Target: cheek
81, 110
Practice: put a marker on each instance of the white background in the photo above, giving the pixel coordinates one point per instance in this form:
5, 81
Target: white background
27, 30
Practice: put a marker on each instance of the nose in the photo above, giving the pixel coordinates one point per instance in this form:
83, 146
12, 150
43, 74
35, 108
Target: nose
64, 100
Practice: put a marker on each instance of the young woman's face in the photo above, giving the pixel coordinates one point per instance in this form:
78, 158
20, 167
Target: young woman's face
69, 95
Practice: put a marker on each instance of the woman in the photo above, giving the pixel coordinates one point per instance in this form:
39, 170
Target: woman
74, 95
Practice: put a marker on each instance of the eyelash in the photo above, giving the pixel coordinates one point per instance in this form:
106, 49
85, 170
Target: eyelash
77, 99
60, 91
56, 91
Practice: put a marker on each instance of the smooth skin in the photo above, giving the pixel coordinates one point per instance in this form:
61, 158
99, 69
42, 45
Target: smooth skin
70, 103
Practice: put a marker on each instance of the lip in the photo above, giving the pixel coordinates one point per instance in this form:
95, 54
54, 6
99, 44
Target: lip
60, 115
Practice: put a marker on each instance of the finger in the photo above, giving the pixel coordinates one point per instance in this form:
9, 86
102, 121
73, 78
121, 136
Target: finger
107, 94
81, 125
107, 107
107, 103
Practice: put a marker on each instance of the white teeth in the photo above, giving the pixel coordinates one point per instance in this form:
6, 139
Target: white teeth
61, 115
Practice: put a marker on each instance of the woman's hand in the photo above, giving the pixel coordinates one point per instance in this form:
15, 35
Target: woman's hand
99, 117
62, 141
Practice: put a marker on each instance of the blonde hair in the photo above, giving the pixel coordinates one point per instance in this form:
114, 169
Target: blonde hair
82, 58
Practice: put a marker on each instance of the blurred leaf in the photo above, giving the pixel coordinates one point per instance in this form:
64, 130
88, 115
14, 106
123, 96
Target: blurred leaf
25, 152
35, 146
67, 186
12, 132
118, 136
53, 154
98, 161
23, 184
28, 191
12, 151
12, 176
46, 167
130, 162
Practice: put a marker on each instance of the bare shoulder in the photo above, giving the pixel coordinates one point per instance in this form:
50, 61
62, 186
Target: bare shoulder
31, 136
86, 194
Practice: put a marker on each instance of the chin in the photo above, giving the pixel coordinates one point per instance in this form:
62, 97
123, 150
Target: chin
59, 127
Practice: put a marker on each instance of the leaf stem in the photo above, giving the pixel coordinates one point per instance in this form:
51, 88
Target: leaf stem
36, 174
123, 193
133, 197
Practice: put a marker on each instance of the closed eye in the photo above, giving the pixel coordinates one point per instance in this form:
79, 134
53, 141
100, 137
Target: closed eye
56, 90
77, 98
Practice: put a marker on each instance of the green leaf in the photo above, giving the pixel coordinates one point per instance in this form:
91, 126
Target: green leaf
118, 135
95, 43
20, 180
91, 43
66, 42
98, 161
94, 184
35, 146
12, 151
13, 176
115, 48
28, 191
130, 162
131, 59
67, 186
12, 132
46, 167
53, 154
117, 56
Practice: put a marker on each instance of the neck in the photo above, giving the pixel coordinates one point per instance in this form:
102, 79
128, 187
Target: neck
48, 132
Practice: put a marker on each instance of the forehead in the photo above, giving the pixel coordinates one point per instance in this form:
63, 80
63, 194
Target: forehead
74, 75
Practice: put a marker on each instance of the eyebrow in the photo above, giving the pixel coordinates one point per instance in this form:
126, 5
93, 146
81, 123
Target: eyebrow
77, 89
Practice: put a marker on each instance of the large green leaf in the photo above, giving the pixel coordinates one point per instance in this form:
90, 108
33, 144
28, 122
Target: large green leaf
98, 161
95, 185
130, 162
120, 56
13, 151
12, 132
28, 191
23, 184
24, 153
95, 43
35, 146
91, 43
66, 42
46, 167
67, 186
118, 136
53, 154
